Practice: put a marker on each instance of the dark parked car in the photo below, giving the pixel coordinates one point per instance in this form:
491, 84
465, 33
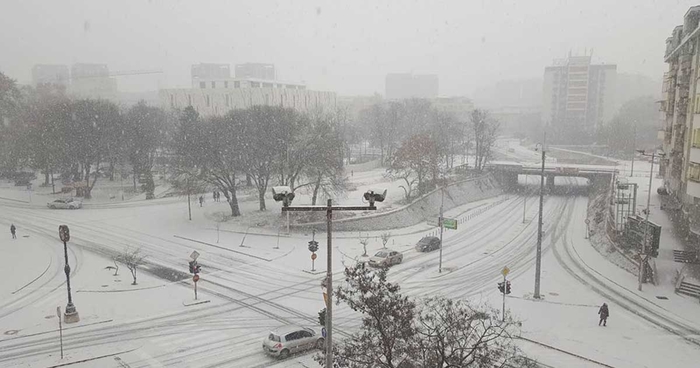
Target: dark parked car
428, 244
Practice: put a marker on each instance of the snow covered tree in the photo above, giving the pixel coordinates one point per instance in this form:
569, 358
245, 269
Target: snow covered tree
132, 259
145, 128
454, 333
387, 333
413, 162
485, 132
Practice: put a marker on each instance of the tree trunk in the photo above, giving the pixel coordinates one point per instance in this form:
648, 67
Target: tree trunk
111, 170
232, 201
133, 274
46, 176
261, 197
134, 175
86, 193
316, 187
149, 185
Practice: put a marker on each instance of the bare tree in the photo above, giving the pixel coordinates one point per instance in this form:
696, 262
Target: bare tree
385, 238
364, 242
457, 334
413, 162
132, 260
485, 132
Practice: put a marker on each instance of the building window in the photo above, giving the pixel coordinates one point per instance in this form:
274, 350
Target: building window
696, 138
225, 84
236, 84
255, 84
202, 85
213, 84
208, 101
697, 104
694, 172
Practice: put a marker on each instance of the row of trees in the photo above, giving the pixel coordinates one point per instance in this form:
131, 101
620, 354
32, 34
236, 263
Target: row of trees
47, 131
398, 331
264, 143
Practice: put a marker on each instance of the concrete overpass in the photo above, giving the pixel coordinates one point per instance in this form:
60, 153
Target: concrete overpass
507, 174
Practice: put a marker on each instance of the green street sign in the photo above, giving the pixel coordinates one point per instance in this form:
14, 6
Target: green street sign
449, 223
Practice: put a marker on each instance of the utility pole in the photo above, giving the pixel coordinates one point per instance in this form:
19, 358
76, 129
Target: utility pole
538, 261
643, 255
524, 204
634, 147
442, 202
329, 208
189, 202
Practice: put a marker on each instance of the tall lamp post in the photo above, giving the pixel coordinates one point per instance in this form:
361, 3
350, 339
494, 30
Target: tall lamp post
643, 254
285, 195
71, 314
538, 261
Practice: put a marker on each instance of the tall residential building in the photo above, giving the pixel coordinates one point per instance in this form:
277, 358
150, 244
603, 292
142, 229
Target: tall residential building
680, 165
577, 96
256, 71
50, 74
405, 85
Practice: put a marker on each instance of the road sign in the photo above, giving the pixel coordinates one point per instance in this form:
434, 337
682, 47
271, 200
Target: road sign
195, 278
194, 255
313, 256
58, 313
64, 233
449, 223
588, 221
505, 271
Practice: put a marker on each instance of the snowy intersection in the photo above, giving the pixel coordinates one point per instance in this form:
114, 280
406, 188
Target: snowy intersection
254, 283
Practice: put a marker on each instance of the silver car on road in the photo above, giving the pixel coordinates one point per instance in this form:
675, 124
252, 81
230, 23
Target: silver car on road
291, 339
386, 258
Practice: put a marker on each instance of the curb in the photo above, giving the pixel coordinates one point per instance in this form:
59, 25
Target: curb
565, 352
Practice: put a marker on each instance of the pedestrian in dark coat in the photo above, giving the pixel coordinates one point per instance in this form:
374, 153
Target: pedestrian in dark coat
13, 230
201, 200
604, 313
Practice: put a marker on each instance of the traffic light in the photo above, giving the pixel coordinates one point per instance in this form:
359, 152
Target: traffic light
197, 268
507, 287
193, 267
501, 288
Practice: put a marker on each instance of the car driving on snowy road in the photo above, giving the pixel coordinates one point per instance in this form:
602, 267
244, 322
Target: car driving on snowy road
65, 203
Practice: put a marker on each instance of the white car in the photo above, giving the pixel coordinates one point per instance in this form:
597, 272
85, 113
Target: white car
291, 339
65, 203
386, 258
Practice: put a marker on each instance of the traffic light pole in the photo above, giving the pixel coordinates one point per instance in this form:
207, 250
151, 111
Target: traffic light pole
504, 298
643, 255
329, 208
442, 202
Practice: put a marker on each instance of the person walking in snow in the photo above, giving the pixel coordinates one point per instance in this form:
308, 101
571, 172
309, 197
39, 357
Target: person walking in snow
201, 200
604, 313
13, 230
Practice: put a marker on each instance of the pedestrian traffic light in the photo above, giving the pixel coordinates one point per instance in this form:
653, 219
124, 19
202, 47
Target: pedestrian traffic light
500, 287
507, 287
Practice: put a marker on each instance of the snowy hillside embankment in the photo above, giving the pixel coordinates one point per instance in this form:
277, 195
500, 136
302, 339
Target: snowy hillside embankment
422, 209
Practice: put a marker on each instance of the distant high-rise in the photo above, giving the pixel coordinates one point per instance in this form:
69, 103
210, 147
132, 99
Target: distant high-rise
577, 96
211, 71
406, 85
255, 71
50, 74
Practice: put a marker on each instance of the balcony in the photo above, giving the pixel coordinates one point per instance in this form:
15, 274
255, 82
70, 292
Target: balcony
695, 153
693, 188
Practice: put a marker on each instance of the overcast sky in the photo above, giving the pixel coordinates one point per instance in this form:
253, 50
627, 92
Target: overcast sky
342, 46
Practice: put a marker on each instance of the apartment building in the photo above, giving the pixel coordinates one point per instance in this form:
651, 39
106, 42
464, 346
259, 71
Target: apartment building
680, 164
578, 96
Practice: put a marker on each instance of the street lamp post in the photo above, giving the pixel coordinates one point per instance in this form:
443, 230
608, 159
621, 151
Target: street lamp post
71, 314
643, 254
284, 194
538, 261
442, 203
